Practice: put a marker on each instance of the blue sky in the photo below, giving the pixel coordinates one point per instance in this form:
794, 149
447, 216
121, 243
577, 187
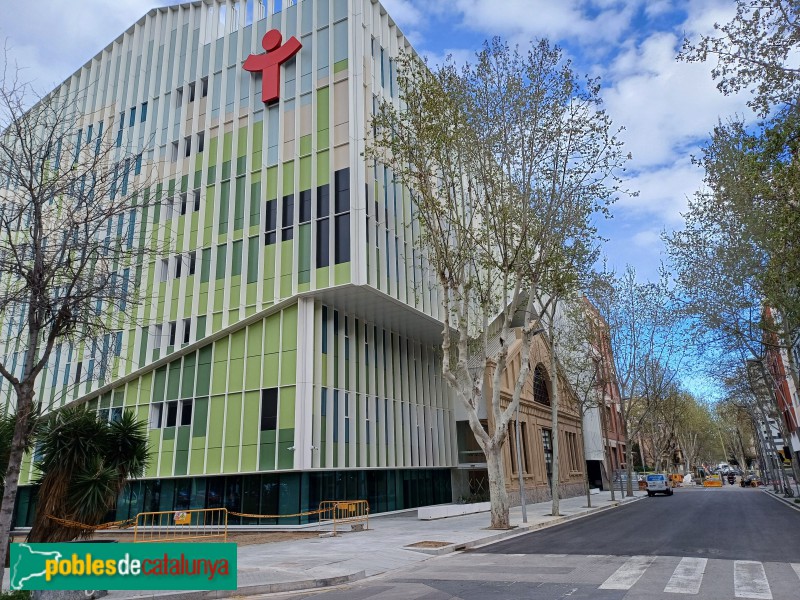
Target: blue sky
666, 107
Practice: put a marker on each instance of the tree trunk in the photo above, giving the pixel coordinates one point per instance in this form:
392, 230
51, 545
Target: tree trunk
16, 452
554, 417
623, 413
497, 489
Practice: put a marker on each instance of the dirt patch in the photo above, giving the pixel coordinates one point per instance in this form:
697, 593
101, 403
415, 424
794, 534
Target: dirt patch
429, 544
241, 538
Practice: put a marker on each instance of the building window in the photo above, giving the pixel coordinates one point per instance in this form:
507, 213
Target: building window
204, 87
173, 327
192, 262
132, 119
305, 206
269, 409
512, 447
342, 235
323, 226
187, 330
191, 91
156, 411
201, 141
547, 444
158, 333
184, 203
178, 265
271, 222
323, 242
196, 199
143, 115
187, 146
172, 414
186, 412
164, 270
287, 225
341, 204
167, 414
540, 393
524, 433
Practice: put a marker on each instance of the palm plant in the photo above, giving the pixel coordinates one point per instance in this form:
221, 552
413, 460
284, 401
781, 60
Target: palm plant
84, 463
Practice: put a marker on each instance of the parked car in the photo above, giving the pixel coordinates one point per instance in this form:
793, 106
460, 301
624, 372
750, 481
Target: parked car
658, 484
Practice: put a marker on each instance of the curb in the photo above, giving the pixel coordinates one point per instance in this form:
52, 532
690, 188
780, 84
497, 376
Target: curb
787, 501
261, 588
519, 530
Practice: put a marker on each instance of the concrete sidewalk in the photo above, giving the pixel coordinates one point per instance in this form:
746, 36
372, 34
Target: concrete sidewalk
320, 562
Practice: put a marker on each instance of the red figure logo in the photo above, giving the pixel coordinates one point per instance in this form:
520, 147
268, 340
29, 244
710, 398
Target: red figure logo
269, 63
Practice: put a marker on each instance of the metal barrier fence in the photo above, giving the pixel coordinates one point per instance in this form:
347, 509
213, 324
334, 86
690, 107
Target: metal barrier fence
176, 526
211, 524
338, 512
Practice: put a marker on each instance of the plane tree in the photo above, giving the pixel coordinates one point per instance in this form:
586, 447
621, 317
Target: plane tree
70, 201
509, 160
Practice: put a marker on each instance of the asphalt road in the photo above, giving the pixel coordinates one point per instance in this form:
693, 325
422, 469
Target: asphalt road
710, 544
729, 523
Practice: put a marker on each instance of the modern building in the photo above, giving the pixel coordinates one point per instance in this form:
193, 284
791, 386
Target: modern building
287, 348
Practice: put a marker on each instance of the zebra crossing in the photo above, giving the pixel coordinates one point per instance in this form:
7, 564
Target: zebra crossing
749, 577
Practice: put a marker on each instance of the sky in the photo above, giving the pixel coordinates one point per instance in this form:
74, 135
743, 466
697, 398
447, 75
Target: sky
667, 108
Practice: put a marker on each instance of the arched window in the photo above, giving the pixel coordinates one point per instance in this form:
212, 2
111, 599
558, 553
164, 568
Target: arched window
540, 393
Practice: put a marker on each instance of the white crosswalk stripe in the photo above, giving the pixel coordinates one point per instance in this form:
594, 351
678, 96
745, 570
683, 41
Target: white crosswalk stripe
687, 577
628, 574
796, 567
750, 580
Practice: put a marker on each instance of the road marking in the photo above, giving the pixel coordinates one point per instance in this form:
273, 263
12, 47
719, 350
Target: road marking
687, 577
796, 567
750, 580
628, 574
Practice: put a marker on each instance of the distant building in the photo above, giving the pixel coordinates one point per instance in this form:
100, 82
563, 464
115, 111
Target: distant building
784, 388
603, 426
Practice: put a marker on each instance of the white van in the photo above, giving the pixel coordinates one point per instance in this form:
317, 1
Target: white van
658, 484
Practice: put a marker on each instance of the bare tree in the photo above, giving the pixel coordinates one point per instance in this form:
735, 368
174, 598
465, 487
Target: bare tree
693, 430
647, 347
69, 200
579, 358
508, 161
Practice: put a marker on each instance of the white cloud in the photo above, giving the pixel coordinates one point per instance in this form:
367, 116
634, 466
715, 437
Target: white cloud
663, 193
666, 106
581, 21
50, 39
404, 12
647, 238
